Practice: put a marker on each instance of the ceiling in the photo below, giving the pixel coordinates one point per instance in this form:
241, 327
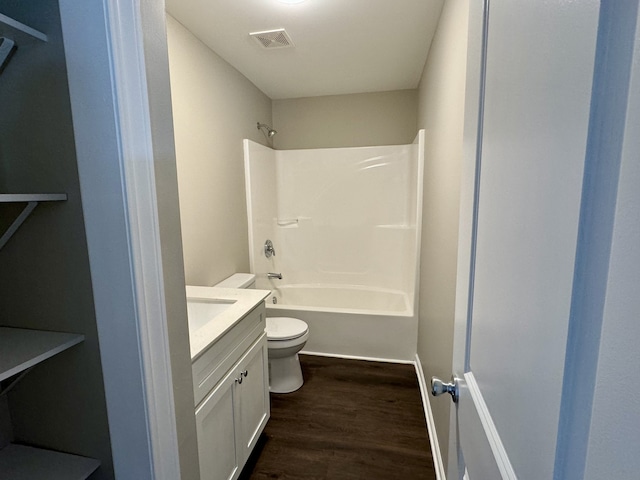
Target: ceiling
340, 46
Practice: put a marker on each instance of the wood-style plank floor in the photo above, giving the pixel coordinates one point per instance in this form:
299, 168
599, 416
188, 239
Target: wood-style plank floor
350, 420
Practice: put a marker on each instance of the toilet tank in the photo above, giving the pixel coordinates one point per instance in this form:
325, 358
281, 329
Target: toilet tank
238, 280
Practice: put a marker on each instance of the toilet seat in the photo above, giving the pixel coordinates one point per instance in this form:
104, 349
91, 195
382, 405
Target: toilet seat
285, 328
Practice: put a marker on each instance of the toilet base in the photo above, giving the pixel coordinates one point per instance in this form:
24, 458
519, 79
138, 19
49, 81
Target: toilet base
285, 374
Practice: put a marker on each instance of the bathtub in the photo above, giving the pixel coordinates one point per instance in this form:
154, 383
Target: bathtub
350, 321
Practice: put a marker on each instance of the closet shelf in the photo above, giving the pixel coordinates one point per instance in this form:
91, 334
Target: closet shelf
21, 349
21, 463
19, 32
31, 199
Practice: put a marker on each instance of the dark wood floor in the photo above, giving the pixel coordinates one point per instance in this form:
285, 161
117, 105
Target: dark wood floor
350, 420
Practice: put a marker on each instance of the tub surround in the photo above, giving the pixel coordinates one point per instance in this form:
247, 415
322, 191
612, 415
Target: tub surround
346, 225
336, 216
240, 302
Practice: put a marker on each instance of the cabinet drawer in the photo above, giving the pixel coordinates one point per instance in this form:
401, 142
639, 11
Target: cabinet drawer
213, 364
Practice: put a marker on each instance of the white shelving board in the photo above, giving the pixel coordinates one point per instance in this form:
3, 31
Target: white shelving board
21, 348
18, 462
31, 197
19, 32
32, 200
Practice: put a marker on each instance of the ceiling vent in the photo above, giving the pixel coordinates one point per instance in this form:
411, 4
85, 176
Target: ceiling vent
273, 38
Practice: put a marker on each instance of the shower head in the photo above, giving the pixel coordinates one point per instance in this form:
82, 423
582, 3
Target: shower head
270, 132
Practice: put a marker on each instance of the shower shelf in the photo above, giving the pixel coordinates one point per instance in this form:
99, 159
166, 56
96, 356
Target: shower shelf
287, 222
291, 222
32, 201
19, 32
397, 227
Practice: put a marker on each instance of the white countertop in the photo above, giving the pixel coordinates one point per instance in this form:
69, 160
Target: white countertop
244, 300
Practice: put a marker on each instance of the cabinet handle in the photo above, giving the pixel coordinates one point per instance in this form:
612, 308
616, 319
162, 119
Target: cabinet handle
239, 380
245, 373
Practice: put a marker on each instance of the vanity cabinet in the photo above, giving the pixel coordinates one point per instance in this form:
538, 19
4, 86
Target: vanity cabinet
234, 412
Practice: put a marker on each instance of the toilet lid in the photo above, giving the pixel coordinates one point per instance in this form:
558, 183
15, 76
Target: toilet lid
285, 328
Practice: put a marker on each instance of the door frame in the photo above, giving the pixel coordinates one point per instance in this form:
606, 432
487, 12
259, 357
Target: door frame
469, 177
105, 55
467, 235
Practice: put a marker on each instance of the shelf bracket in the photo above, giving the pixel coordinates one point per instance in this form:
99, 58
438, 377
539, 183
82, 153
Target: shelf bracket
15, 381
17, 222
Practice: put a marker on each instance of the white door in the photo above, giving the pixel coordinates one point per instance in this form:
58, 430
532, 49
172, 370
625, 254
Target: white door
526, 136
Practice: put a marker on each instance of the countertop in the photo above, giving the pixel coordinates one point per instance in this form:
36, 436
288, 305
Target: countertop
245, 301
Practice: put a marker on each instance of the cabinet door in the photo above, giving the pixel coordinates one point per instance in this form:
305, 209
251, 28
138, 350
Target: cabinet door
253, 396
217, 443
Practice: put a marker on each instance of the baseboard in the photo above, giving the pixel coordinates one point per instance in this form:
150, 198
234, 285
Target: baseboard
431, 426
356, 357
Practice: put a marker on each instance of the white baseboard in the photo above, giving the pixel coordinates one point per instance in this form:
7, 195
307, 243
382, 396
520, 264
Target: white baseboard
431, 426
356, 357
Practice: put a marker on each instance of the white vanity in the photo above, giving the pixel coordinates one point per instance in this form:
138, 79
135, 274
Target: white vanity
230, 376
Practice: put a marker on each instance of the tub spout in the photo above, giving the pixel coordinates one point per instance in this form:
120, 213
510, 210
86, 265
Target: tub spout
274, 275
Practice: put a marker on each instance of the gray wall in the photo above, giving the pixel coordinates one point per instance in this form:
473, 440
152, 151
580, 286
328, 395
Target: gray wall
44, 269
356, 120
441, 114
159, 91
214, 108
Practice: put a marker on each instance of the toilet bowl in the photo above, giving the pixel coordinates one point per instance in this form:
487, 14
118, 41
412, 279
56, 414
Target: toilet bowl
286, 336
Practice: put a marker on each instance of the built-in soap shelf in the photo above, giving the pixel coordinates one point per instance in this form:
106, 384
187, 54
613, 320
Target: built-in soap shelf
290, 222
32, 201
20, 33
398, 226
20, 350
287, 222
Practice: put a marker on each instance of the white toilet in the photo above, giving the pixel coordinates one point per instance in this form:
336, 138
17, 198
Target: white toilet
285, 338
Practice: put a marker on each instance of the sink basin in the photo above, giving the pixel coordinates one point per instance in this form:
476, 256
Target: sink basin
201, 311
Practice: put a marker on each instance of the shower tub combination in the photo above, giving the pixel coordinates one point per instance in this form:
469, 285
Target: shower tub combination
345, 226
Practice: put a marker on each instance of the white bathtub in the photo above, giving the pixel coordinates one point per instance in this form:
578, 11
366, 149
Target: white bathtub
352, 298
351, 321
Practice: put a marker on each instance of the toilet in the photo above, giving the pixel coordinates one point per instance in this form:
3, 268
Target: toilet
286, 336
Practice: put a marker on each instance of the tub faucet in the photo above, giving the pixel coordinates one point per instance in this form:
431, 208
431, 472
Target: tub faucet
268, 249
274, 275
